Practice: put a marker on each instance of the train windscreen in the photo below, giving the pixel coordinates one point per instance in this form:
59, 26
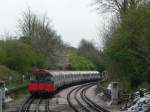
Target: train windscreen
42, 78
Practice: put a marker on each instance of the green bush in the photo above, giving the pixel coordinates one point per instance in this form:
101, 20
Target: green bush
19, 56
81, 63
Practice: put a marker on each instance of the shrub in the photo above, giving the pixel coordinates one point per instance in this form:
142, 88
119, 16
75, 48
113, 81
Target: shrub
19, 56
81, 63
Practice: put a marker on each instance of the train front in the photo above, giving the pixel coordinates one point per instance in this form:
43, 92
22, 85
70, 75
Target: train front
41, 83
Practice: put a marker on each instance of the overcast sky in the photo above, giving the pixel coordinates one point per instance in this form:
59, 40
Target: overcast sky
72, 19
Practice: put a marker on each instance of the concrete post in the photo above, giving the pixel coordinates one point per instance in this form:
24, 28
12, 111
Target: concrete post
115, 92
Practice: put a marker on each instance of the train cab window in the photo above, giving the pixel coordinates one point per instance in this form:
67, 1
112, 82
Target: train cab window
43, 78
48, 79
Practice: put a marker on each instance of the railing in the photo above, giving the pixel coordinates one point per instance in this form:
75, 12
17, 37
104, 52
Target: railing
13, 90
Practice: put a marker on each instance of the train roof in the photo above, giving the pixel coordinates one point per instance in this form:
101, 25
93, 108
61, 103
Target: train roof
57, 72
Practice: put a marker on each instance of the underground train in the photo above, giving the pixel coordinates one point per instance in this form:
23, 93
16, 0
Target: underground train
49, 81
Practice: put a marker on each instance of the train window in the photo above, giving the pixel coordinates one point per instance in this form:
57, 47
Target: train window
48, 79
44, 78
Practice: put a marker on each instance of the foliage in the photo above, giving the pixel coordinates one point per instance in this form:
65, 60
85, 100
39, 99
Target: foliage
6, 72
19, 56
11, 77
26, 40
87, 49
118, 6
38, 31
81, 63
127, 55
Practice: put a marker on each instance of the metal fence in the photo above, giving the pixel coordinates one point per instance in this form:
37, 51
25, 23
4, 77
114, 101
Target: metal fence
13, 90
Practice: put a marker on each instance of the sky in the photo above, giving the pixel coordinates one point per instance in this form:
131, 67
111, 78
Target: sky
72, 19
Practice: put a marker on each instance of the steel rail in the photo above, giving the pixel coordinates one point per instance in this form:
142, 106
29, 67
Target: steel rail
91, 103
26, 105
76, 90
38, 105
69, 100
47, 109
78, 101
85, 100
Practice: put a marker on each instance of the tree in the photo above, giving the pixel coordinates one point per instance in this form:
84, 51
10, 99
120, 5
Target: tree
44, 38
28, 23
81, 63
119, 6
19, 56
88, 50
127, 54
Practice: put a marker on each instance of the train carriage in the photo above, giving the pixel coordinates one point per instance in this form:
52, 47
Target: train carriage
48, 81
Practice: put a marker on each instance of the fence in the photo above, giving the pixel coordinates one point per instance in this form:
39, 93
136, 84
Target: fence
13, 90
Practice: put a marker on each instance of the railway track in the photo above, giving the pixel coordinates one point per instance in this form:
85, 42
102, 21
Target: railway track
37, 109
83, 107
86, 104
47, 108
79, 95
91, 103
26, 107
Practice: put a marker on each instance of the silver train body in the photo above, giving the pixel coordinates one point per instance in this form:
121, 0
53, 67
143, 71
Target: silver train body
62, 78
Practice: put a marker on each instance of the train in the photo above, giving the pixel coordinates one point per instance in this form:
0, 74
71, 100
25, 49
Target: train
46, 82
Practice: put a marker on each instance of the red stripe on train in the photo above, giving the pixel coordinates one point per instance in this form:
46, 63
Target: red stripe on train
34, 87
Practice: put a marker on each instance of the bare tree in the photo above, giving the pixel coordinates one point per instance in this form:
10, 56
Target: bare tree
108, 31
44, 38
118, 6
27, 23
